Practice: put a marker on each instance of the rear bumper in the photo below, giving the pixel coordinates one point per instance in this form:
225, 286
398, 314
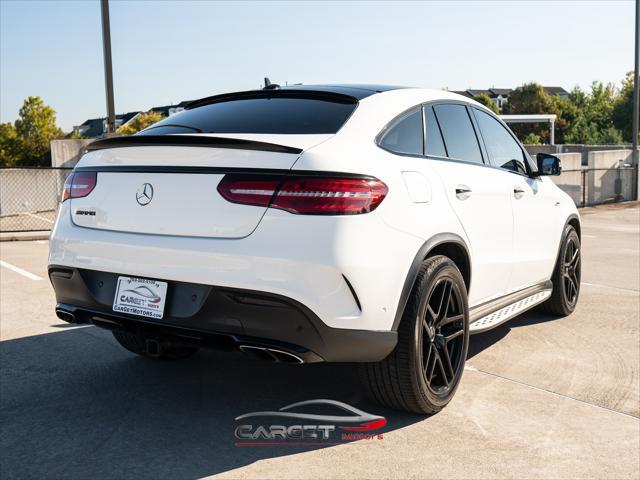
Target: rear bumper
349, 271
221, 317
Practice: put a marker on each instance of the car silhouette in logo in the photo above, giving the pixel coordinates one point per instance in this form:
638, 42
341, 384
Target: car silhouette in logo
358, 421
144, 292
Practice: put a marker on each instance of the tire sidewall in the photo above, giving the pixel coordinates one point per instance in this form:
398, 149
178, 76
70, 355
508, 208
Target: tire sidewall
570, 233
444, 268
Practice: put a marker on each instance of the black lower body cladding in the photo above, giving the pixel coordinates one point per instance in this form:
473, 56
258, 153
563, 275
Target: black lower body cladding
219, 316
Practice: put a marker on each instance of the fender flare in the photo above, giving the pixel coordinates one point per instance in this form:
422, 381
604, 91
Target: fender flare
422, 253
573, 216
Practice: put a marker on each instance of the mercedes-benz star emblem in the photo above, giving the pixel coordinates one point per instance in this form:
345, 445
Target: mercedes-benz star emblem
144, 195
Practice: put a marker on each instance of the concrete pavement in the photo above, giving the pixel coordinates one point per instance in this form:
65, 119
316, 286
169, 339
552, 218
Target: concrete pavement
541, 397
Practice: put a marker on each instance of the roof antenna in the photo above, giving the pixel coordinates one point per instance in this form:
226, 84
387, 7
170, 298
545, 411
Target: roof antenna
270, 86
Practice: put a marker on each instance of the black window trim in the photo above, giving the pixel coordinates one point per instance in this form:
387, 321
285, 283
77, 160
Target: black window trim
485, 162
424, 124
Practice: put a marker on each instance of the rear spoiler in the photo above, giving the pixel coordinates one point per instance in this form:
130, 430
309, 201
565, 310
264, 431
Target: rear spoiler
188, 141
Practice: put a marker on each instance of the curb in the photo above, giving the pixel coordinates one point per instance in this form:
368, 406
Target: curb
24, 236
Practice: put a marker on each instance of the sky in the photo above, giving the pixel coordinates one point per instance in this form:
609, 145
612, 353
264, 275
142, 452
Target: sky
168, 51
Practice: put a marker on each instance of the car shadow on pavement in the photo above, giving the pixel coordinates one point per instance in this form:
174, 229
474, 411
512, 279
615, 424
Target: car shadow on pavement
481, 341
74, 404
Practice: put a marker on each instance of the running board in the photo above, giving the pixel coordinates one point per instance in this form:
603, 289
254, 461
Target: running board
488, 316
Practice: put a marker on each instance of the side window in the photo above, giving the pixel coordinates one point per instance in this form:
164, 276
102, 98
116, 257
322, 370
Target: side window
457, 130
405, 136
502, 149
434, 145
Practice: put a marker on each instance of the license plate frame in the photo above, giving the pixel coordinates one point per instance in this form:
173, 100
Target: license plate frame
142, 297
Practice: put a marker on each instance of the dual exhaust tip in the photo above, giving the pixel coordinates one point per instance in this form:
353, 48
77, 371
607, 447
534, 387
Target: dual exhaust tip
154, 347
270, 354
66, 315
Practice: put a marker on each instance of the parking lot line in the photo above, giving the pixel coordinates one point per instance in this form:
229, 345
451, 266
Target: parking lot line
22, 272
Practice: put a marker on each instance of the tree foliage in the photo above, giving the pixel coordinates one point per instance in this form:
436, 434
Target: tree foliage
622, 113
485, 100
601, 115
28, 141
140, 122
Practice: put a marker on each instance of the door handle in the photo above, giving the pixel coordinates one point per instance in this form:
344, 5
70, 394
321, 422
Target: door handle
463, 192
518, 193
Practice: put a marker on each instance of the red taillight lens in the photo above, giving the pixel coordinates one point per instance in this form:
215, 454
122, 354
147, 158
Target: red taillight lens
79, 184
305, 195
249, 190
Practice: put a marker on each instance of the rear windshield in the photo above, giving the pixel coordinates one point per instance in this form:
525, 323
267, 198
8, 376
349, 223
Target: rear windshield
259, 115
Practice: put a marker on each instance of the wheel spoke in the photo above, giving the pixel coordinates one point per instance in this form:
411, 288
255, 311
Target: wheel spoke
575, 257
450, 337
425, 325
447, 320
444, 300
426, 362
442, 372
433, 366
446, 361
433, 314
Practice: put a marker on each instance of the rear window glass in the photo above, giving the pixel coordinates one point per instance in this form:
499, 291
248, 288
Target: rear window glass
259, 115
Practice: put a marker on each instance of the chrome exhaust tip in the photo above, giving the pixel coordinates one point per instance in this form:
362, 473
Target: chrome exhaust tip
270, 354
65, 315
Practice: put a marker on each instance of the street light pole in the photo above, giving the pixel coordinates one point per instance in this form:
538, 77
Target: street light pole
636, 103
108, 73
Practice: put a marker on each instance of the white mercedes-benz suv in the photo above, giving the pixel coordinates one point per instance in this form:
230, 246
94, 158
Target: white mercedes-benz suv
340, 223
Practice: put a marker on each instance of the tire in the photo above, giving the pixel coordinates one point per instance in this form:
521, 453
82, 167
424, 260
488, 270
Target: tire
401, 381
566, 276
137, 344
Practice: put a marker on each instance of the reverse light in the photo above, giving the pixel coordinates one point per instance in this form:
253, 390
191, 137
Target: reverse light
79, 184
307, 195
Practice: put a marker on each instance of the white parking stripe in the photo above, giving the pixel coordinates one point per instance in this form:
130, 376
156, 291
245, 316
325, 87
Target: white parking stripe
22, 272
609, 286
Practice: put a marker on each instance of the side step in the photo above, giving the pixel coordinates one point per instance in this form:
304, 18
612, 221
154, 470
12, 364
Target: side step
507, 312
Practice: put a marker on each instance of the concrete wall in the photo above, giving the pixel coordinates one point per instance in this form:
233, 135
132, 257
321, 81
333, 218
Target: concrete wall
30, 190
610, 178
572, 148
66, 153
570, 180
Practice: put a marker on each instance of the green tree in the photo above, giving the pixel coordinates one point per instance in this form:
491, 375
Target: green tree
35, 128
531, 99
8, 145
532, 139
485, 100
622, 113
594, 122
140, 122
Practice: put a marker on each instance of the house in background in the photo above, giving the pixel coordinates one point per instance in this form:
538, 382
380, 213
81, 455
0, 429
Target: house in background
500, 96
169, 110
97, 127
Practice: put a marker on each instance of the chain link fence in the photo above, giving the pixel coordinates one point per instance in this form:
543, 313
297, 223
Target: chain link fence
29, 198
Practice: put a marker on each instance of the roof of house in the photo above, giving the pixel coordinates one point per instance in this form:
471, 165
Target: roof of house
501, 91
475, 92
555, 91
464, 93
95, 126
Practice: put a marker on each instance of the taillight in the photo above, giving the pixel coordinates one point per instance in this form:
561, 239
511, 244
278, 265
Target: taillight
305, 195
79, 184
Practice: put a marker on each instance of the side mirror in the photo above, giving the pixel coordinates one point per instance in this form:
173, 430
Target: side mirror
548, 164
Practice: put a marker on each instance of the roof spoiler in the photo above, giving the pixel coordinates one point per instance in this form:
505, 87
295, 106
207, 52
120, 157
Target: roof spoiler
188, 141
